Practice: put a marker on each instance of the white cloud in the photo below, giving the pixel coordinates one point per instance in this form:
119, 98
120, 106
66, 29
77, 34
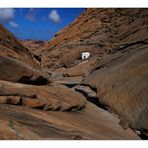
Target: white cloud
13, 24
54, 16
6, 14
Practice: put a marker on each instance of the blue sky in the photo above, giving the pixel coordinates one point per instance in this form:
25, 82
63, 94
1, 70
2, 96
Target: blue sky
38, 23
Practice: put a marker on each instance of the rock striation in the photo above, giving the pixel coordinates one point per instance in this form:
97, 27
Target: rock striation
98, 31
117, 40
48, 92
35, 48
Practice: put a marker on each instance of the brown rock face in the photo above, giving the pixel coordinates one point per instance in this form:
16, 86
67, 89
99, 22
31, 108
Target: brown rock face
16, 63
35, 48
93, 123
11, 47
18, 71
97, 31
117, 40
103, 97
41, 97
122, 85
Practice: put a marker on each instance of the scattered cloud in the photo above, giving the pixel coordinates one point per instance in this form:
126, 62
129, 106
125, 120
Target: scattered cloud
6, 14
13, 24
54, 16
31, 15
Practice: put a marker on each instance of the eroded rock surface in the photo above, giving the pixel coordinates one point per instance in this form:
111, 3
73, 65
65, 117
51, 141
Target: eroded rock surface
35, 48
117, 40
122, 86
16, 63
54, 102
97, 31
93, 123
41, 97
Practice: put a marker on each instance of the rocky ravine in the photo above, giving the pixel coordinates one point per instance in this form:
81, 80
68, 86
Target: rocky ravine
35, 48
104, 97
117, 69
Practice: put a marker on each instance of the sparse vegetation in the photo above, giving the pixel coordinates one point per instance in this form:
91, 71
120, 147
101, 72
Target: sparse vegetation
1, 138
11, 124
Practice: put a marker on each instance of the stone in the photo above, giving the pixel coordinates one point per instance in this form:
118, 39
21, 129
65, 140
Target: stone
41, 97
122, 86
90, 124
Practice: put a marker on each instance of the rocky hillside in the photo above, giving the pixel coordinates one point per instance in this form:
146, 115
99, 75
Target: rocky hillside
11, 47
16, 62
99, 31
117, 40
64, 97
35, 48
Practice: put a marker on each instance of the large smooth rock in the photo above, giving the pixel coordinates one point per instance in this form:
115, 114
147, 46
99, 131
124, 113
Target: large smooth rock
41, 97
17, 71
122, 85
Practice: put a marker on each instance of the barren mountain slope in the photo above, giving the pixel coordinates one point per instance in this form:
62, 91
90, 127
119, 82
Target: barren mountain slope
19, 122
97, 31
39, 110
87, 99
16, 62
35, 47
11, 47
117, 69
